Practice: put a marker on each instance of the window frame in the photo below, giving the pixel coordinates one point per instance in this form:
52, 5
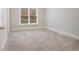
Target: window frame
29, 18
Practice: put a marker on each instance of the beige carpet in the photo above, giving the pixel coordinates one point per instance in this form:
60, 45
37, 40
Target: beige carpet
40, 40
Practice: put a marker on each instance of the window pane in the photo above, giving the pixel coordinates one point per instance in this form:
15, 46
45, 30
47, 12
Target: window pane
24, 19
32, 11
24, 11
33, 19
24, 15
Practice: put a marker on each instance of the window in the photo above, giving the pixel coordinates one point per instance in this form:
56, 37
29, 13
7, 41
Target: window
29, 16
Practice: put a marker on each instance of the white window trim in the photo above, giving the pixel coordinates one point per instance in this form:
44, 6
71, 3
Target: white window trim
29, 18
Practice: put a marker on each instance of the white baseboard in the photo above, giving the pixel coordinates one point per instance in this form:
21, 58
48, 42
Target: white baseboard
75, 36
19, 29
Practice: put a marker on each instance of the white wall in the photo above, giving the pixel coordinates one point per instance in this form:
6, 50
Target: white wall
15, 19
0, 16
63, 19
5, 23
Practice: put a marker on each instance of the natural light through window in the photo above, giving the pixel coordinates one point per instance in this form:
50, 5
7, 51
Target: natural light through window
29, 16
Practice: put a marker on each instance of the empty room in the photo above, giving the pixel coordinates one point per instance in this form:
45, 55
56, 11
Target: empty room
39, 29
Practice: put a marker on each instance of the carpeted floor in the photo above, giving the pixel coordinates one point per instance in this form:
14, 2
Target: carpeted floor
40, 40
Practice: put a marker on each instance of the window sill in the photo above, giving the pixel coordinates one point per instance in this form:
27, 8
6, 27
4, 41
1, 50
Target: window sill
30, 24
